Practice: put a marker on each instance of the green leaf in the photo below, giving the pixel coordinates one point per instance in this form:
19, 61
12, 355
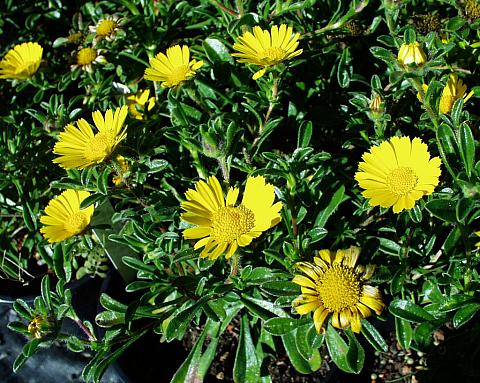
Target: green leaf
178, 325
304, 134
382, 54
262, 308
281, 288
216, 51
455, 23
29, 216
404, 332
337, 348
307, 345
298, 361
45, 290
355, 353
90, 200
409, 311
102, 181
344, 69
325, 214
19, 362
463, 208
246, 368
467, 147
373, 336
281, 326
409, 36
443, 209
466, 313
74, 344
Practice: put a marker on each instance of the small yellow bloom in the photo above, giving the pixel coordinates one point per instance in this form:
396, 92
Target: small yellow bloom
454, 90
173, 68
86, 58
106, 28
21, 62
123, 164
221, 225
266, 49
477, 233
333, 285
397, 173
79, 148
412, 54
136, 103
376, 104
63, 217
419, 95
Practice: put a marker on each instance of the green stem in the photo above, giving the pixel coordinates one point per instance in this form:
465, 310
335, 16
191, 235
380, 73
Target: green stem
202, 173
468, 256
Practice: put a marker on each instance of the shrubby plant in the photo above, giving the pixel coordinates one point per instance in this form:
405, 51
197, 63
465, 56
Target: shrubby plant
306, 169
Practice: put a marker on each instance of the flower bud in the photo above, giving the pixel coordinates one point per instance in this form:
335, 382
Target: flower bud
412, 54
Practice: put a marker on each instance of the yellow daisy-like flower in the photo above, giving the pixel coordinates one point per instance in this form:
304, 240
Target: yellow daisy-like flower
173, 68
136, 103
412, 54
123, 168
79, 147
86, 58
454, 90
221, 225
63, 217
397, 173
106, 28
21, 62
334, 285
266, 49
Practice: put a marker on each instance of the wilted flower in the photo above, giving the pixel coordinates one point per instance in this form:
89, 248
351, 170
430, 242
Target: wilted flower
221, 225
87, 57
412, 54
63, 217
173, 68
333, 285
397, 173
266, 49
21, 62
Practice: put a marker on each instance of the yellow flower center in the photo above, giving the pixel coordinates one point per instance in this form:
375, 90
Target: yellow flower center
229, 223
272, 55
339, 288
402, 180
178, 74
86, 56
105, 28
76, 223
99, 147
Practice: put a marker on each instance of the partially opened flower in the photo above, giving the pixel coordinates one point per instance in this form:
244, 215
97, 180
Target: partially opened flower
122, 168
86, 58
334, 286
173, 68
409, 54
21, 62
63, 217
266, 49
222, 226
106, 28
79, 147
454, 90
397, 173
139, 102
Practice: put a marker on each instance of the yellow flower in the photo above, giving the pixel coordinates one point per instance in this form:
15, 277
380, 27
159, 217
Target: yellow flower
173, 68
136, 103
123, 168
477, 233
412, 54
419, 95
265, 49
454, 90
63, 217
333, 285
79, 148
21, 62
86, 58
106, 28
223, 226
397, 173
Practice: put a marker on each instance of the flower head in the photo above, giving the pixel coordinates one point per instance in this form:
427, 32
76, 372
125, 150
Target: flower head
412, 54
79, 147
75, 38
454, 90
397, 173
106, 28
63, 217
265, 49
173, 68
21, 62
334, 285
86, 58
136, 103
223, 226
